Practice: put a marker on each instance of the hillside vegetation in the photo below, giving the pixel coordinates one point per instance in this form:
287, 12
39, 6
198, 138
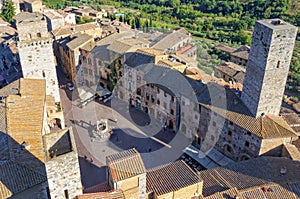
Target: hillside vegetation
228, 21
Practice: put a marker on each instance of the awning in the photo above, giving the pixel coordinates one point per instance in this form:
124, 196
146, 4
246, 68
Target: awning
210, 160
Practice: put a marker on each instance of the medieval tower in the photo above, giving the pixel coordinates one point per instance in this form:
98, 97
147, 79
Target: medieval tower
268, 65
36, 51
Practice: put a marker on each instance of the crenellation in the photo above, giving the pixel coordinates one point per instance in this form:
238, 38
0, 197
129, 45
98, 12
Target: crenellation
36, 53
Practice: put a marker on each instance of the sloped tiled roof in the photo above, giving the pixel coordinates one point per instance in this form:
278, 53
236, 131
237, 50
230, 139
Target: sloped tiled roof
251, 173
228, 194
264, 127
150, 51
242, 52
79, 41
230, 68
269, 191
15, 177
103, 187
224, 48
170, 177
170, 39
25, 115
118, 194
125, 164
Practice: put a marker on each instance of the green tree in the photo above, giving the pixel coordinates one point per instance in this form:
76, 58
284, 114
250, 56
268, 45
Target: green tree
9, 11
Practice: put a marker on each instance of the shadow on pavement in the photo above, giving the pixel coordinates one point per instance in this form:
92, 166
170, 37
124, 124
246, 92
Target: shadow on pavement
90, 173
123, 140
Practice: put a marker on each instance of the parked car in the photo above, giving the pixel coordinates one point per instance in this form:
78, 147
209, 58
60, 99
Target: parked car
70, 86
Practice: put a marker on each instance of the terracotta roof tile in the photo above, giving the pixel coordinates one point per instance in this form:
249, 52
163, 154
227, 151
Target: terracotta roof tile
170, 177
224, 48
268, 191
242, 52
118, 194
251, 173
79, 41
169, 39
15, 177
103, 187
25, 115
230, 68
125, 164
264, 127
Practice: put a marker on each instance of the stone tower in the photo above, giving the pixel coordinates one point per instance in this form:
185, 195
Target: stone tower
268, 65
36, 51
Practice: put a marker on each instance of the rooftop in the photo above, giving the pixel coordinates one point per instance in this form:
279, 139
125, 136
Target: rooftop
150, 51
125, 44
125, 164
276, 24
170, 177
171, 38
117, 194
30, 105
242, 52
68, 30
79, 41
250, 173
224, 48
53, 14
58, 143
28, 17
15, 178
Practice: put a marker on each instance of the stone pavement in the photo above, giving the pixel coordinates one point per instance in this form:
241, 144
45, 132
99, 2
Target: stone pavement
156, 145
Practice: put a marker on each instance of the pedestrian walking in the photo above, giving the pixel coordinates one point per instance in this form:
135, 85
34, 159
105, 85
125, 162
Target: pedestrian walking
91, 162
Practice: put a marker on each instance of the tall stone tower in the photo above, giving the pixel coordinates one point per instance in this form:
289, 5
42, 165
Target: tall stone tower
36, 51
268, 65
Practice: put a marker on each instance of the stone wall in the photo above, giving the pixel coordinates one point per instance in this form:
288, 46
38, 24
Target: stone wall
268, 65
37, 61
33, 30
36, 54
227, 137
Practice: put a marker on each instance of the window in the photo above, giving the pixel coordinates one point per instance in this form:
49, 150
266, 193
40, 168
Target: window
228, 148
66, 194
196, 117
38, 34
147, 96
152, 99
172, 112
173, 99
152, 86
158, 102
214, 123
230, 122
247, 144
157, 90
182, 114
230, 133
215, 114
278, 64
44, 75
